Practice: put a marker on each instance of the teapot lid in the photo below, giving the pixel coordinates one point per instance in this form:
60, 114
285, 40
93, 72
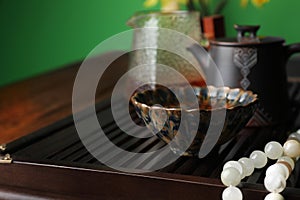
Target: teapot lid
246, 36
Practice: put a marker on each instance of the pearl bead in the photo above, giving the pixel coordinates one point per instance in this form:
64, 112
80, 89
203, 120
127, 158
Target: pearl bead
236, 165
248, 166
278, 168
288, 160
230, 176
294, 136
291, 148
232, 193
259, 159
274, 196
287, 165
275, 184
273, 150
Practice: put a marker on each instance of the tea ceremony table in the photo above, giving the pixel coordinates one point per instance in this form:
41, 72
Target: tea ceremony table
41, 156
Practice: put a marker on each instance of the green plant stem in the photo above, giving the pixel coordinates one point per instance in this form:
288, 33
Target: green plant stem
204, 11
220, 6
190, 5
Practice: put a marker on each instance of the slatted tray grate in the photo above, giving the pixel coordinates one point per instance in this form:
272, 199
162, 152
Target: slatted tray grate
59, 144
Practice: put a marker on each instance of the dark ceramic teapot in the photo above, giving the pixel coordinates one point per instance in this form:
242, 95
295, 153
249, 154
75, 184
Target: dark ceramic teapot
255, 63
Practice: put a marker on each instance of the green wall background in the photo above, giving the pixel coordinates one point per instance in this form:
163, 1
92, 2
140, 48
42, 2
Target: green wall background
38, 36
41, 35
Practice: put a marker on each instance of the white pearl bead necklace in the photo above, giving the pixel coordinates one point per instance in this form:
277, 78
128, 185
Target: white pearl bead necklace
274, 196
259, 159
276, 174
231, 176
248, 166
275, 183
232, 193
273, 150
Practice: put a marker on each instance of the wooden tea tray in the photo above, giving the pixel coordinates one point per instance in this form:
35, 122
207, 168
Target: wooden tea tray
52, 163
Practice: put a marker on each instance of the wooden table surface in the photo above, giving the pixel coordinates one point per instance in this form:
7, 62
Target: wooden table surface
34, 103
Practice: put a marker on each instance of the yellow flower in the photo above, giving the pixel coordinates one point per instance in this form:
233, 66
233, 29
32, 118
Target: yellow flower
244, 3
166, 5
150, 3
259, 3
256, 3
